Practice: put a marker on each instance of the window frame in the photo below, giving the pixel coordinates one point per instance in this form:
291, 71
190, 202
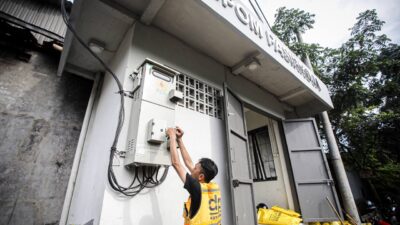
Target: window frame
253, 134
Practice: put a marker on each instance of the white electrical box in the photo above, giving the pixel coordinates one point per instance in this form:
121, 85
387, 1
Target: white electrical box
156, 131
152, 113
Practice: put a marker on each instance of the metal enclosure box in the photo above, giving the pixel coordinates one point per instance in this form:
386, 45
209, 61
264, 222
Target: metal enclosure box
156, 131
152, 112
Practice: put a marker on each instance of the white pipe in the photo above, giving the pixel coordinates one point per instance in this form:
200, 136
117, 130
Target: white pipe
78, 153
341, 177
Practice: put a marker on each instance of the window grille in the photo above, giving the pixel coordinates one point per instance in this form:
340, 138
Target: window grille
199, 96
261, 155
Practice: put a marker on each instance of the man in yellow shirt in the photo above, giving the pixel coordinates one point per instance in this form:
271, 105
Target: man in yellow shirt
204, 204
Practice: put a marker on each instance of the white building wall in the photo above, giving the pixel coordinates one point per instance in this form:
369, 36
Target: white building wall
204, 136
91, 180
252, 94
164, 204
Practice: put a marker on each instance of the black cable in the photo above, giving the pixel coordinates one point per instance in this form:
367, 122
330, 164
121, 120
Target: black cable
147, 181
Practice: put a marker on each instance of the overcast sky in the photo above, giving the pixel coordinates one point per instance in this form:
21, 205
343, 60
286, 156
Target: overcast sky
333, 18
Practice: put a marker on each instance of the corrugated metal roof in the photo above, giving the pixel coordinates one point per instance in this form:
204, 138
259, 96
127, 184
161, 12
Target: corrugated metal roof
36, 15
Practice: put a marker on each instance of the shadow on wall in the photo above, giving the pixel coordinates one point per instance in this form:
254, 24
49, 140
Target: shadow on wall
154, 217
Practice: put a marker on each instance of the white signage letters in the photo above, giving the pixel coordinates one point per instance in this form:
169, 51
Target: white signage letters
244, 16
247, 19
290, 58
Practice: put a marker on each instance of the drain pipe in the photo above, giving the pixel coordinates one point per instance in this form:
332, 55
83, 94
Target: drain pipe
78, 152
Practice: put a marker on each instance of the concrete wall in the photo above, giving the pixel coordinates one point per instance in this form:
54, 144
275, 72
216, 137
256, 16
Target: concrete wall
40, 121
257, 97
91, 180
205, 136
272, 192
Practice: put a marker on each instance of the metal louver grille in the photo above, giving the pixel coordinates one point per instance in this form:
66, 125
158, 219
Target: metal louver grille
199, 96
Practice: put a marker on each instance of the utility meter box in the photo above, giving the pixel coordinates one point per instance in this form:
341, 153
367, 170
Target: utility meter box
156, 131
153, 111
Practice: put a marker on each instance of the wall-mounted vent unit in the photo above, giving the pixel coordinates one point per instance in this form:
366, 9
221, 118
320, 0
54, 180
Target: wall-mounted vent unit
199, 96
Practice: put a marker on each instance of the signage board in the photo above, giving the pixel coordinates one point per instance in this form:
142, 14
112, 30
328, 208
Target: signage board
240, 17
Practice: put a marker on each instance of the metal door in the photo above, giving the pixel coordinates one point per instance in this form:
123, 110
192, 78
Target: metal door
239, 161
313, 180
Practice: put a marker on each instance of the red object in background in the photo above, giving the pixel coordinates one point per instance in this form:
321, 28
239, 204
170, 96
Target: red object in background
382, 222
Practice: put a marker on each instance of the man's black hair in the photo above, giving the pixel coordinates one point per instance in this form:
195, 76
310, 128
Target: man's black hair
210, 169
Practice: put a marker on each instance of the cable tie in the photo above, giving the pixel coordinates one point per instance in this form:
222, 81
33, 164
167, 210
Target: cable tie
121, 153
125, 93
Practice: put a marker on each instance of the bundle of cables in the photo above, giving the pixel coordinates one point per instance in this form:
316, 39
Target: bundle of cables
144, 176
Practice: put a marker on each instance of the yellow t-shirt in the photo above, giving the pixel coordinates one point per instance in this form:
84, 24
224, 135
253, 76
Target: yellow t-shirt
210, 206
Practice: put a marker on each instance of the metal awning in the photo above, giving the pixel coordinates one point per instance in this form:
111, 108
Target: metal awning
227, 31
42, 17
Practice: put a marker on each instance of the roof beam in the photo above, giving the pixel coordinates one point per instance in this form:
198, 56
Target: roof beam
242, 65
79, 71
292, 93
151, 11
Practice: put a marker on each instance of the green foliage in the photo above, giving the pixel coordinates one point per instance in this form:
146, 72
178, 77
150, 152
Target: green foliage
387, 177
289, 23
363, 76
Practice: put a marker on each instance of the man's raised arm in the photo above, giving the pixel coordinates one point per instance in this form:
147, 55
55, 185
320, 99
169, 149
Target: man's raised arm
176, 163
185, 155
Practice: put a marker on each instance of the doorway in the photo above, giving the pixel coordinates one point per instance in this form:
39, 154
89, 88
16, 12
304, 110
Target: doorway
268, 164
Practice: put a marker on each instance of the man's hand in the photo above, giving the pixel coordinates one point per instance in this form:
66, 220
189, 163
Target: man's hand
185, 155
171, 133
179, 132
